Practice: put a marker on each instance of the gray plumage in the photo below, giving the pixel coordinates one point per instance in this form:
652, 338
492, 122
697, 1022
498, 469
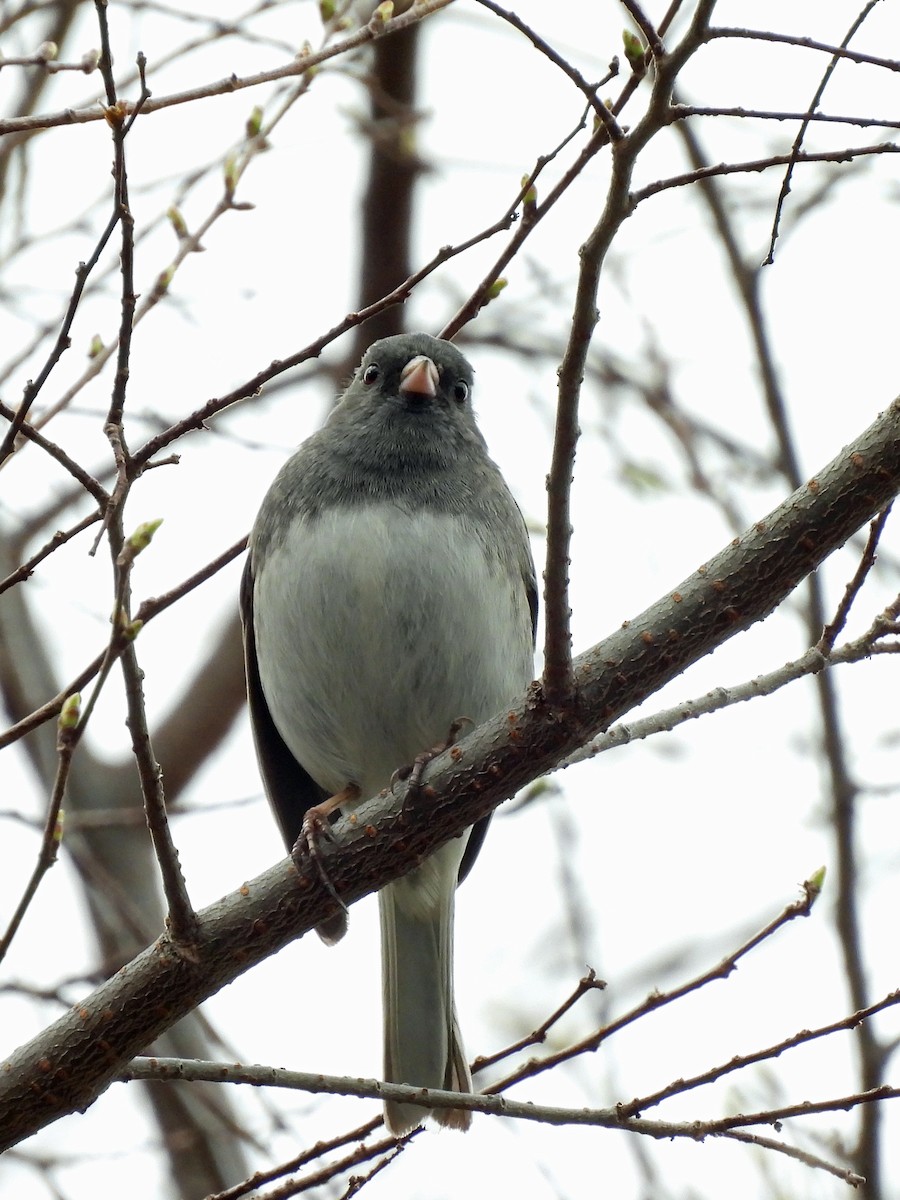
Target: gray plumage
389, 590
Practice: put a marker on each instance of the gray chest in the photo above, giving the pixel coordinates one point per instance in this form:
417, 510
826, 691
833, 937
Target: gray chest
376, 628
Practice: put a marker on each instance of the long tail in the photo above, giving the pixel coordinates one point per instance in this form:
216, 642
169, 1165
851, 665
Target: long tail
422, 1042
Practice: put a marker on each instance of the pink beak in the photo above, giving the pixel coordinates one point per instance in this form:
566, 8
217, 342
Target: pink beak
419, 377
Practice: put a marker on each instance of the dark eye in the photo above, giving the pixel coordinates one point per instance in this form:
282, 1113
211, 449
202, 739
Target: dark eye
460, 390
371, 373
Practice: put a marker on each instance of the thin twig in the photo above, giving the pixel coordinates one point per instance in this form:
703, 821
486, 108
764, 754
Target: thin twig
588, 90
656, 1000
803, 1156
33, 387
537, 1037
294, 1164
558, 681
233, 83
804, 125
740, 1061
26, 569
103, 661
68, 737
200, 416
682, 111
643, 22
866, 563
85, 478
788, 39
756, 165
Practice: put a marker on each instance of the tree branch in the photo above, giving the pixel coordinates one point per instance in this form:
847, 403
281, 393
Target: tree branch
68, 1065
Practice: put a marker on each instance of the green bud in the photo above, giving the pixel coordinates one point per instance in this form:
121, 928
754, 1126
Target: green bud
384, 11
96, 346
254, 121
815, 883
634, 50
70, 713
231, 173
143, 535
495, 289
177, 221
326, 10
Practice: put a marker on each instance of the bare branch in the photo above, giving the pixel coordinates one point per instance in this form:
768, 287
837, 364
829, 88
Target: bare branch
804, 125
299, 66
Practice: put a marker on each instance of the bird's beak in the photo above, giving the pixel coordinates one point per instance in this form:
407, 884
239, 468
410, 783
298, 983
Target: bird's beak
419, 377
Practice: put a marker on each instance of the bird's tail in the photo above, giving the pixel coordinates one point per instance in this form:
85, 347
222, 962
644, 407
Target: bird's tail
422, 1042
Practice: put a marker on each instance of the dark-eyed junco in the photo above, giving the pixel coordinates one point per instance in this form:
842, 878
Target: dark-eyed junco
388, 592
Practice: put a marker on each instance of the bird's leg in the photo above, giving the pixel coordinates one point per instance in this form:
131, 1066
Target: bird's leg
413, 772
316, 824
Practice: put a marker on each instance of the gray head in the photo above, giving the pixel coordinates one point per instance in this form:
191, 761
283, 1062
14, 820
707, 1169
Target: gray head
409, 377
403, 432
407, 411
386, 368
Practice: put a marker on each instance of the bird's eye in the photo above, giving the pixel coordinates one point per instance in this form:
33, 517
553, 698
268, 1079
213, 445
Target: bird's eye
371, 373
460, 390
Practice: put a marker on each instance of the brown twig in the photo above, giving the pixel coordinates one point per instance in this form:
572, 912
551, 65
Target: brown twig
588, 90
656, 1000
740, 1061
294, 1164
794, 1152
788, 39
297, 66
61, 344
146, 612
538, 210
804, 125
26, 569
67, 739
645, 25
85, 478
756, 165
683, 111
866, 563
197, 419
537, 1037
558, 680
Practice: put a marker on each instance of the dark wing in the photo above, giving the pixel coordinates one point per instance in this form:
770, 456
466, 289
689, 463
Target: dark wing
480, 828
289, 788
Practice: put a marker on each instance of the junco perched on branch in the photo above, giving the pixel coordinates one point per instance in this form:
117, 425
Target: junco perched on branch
389, 591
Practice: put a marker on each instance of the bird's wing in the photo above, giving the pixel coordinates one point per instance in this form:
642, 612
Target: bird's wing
291, 791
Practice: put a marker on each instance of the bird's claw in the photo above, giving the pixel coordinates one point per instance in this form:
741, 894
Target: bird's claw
316, 826
412, 773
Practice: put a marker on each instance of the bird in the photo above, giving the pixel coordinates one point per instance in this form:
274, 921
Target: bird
389, 593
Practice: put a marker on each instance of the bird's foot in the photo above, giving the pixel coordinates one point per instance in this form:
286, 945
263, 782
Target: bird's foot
316, 827
412, 773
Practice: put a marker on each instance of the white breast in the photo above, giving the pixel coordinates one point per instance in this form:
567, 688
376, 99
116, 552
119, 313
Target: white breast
375, 630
